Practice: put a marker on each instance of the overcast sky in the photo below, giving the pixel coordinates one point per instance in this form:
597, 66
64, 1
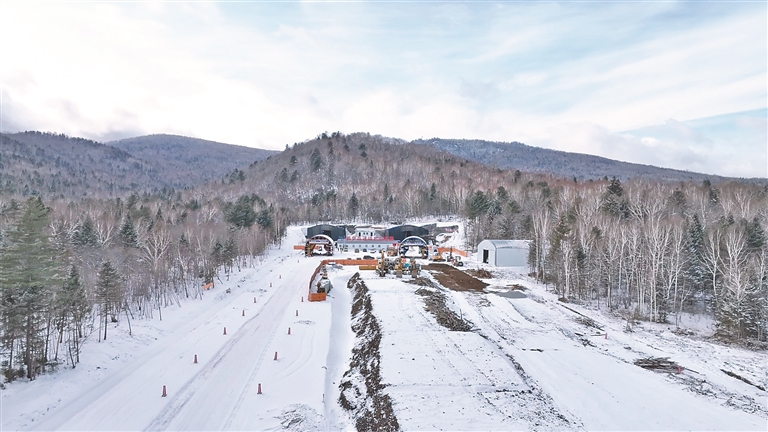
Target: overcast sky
674, 84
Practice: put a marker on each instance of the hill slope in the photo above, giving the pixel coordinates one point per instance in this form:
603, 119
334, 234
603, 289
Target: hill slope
188, 161
515, 155
57, 166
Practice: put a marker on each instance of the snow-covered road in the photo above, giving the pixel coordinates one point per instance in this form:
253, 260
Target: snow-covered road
220, 391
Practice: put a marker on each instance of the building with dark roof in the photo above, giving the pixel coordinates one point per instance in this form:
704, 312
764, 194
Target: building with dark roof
335, 232
401, 232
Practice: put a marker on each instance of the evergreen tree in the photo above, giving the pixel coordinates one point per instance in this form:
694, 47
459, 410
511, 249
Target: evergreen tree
315, 160
477, 205
217, 254
85, 234
755, 235
108, 293
613, 201
229, 253
73, 308
264, 218
353, 206
241, 214
128, 235
29, 271
694, 272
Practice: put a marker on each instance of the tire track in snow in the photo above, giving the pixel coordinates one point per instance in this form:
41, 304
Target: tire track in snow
542, 402
208, 390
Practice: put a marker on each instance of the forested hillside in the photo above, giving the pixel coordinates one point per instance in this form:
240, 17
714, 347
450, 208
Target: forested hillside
58, 166
186, 161
515, 155
644, 249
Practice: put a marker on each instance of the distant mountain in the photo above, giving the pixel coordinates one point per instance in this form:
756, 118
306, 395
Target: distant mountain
58, 166
515, 155
185, 161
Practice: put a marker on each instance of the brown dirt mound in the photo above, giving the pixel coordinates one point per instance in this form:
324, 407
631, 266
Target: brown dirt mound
435, 303
455, 279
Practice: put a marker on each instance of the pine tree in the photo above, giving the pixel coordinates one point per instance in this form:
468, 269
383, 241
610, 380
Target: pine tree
613, 201
73, 307
755, 235
29, 271
241, 214
316, 160
353, 206
229, 253
85, 234
694, 272
128, 233
108, 292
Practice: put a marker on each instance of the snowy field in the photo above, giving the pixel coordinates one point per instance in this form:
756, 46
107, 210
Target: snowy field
528, 363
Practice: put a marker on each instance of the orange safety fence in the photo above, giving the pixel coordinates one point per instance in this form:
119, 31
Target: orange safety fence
454, 250
207, 286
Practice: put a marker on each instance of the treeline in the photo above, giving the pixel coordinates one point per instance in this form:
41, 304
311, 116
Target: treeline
651, 250
68, 270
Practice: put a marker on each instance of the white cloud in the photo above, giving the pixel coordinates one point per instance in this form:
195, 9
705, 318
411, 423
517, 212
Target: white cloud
558, 75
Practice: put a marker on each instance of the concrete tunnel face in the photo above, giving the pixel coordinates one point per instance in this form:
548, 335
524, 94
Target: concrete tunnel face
324, 243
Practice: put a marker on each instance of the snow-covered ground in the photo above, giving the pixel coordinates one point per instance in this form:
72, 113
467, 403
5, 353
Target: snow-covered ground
119, 383
530, 362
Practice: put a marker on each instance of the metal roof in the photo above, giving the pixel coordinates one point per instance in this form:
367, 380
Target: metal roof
508, 244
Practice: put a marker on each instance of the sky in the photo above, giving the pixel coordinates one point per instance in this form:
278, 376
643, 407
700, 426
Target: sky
675, 84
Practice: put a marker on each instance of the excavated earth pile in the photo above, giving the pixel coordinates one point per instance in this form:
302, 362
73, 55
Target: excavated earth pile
435, 303
362, 393
455, 279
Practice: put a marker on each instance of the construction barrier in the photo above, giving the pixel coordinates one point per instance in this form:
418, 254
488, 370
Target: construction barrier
298, 247
351, 262
207, 286
452, 250
367, 267
316, 297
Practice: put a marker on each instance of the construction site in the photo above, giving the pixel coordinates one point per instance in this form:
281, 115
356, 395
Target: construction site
402, 337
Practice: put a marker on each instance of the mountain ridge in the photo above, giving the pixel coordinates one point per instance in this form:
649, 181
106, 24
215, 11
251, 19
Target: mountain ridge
55, 165
582, 166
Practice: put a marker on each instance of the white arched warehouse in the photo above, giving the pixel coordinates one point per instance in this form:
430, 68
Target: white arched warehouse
503, 253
